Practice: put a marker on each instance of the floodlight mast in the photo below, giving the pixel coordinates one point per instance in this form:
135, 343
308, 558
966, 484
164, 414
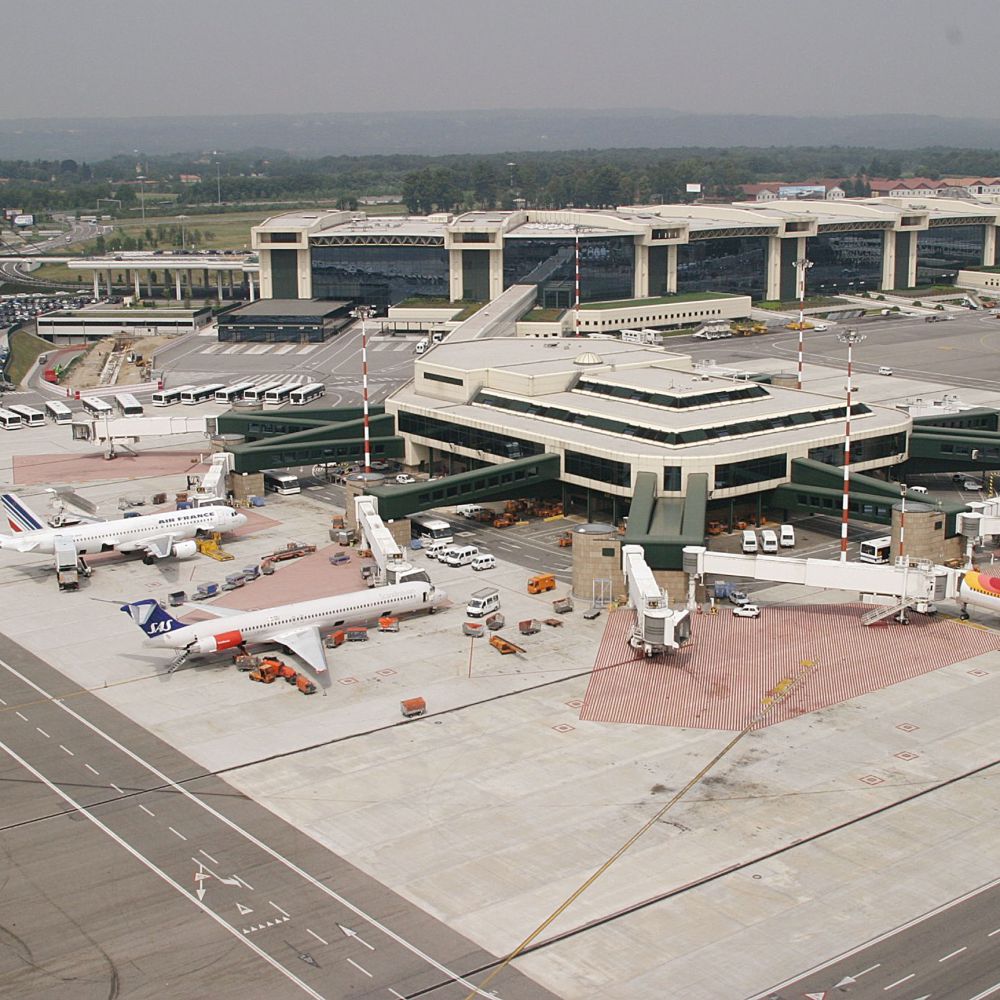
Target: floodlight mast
801, 266
363, 312
850, 337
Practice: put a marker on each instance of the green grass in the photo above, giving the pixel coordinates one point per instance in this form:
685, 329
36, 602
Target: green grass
663, 300
814, 303
921, 290
24, 350
540, 315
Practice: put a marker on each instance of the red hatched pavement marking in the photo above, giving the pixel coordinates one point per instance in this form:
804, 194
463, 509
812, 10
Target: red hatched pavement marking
717, 680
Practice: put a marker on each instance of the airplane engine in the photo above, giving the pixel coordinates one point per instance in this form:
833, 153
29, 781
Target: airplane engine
184, 550
220, 642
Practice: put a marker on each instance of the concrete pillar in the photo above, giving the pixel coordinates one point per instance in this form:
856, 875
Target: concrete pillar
496, 273
773, 269
149, 284
911, 263
190, 277
640, 280
135, 283
177, 280
888, 260
107, 281
218, 278
97, 287
989, 246
455, 284
250, 283
672, 269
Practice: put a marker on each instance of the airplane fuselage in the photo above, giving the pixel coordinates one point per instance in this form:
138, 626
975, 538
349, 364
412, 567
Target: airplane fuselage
270, 624
127, 534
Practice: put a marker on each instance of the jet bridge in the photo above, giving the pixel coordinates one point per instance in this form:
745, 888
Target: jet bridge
658, 628
895, 588
390, 566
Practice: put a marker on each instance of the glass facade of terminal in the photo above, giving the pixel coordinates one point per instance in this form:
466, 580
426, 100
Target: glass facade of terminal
863, 450
475, 438
732, 265
753, 470
379, 276
844, 262
607, 268
944, 250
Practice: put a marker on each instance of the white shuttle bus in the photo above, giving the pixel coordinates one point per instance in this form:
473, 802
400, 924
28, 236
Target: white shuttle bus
306, 393
255, 394
30, 417
9, 421
876, 550
201, 393
59, 412
128, 405
232, 393
169, 397
280, 393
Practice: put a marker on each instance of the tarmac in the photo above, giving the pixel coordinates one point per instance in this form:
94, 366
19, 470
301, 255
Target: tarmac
496, 807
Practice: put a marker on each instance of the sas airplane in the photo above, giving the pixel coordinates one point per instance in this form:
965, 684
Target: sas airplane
156, 536
294, 626
979, 590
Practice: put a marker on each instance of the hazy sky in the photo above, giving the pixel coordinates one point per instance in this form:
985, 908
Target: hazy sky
116, 58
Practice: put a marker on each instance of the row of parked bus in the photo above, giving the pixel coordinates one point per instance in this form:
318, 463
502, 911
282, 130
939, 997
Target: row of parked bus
13, 418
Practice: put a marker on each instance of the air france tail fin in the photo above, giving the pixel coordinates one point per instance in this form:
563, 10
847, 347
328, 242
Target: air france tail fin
19, 516
151, 618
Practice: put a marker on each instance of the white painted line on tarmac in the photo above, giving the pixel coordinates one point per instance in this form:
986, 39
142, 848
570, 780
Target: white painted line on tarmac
116, 788
67, 749
177, 832
148, 812
360, 968
246, 885
279, 909
93, 770
986, 993
139, 856
315, 935
395, 994
899, 982
42, 731
209, 856
954, 953
2, 702
258, 843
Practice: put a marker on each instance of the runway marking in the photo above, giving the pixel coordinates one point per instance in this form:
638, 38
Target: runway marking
395, 994
991, 933
148, 812
315, 935
67, 749
93, 770
250, 838
954, 953
2, 702
209, 856
246, 885
116, 788
142, 859
279, 909
986, 993
360, 968
177, 832
42, 731
899, 982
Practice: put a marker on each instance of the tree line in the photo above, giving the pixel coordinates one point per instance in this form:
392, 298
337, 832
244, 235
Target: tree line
595, 178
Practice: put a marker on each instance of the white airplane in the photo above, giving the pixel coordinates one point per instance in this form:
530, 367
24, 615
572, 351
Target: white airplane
156, 536
295, 626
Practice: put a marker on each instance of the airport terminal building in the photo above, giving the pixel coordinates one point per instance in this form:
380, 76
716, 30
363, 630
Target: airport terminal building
633, 252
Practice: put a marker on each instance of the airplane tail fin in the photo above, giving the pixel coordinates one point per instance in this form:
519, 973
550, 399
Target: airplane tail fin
151, 618
19, 515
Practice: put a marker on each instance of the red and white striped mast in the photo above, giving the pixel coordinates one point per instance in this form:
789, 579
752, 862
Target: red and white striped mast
576, 303
364, 312
801, 266
851, 337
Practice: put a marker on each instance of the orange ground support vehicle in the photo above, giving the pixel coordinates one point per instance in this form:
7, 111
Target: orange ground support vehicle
541, 582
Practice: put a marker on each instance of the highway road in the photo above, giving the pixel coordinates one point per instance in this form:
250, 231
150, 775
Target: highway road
130, 871
15, 271
950, 953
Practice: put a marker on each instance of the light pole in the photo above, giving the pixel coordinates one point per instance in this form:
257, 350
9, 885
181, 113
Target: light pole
183, 232
801, 266
850, 337
511, 166
576, 303
218, 178
142, 195
363, 312
902, 552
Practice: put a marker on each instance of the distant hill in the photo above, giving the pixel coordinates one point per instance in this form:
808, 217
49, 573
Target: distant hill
441, 132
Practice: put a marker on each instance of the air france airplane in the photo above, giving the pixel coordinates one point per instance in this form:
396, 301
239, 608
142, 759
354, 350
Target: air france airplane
156, 536
295, 626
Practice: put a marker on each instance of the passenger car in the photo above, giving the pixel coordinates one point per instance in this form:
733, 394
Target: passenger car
747, 611
738, 597
404, 479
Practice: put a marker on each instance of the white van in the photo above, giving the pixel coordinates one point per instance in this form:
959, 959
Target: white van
749, 543
434, 548
768, 541
484, 561
422, 345
468, 510
920, 490
459, 555
483, 602
438, 335
786, 536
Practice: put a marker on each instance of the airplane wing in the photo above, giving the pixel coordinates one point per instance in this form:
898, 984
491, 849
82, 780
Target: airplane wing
160, 547
20, 544
307, 645
213, 610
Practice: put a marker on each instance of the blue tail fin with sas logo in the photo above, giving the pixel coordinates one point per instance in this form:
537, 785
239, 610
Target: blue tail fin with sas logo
151, 618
